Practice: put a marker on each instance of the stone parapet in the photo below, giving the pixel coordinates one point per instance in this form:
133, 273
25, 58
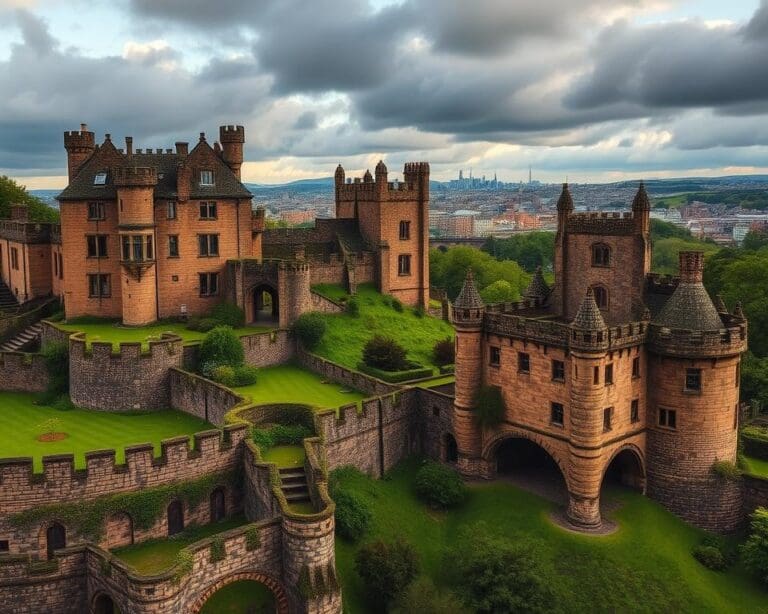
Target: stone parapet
23, 372
684, 343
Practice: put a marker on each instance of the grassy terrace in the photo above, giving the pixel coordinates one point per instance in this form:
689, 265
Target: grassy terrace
21, 420
117, 333
646, 566
755, 466
346, 335
292, 384
156, 556
239, 597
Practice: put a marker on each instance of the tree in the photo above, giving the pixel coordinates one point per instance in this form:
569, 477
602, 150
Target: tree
310, 329
386, 570
500, 291
384, 353
11, 192
665, 257
424, 597
755, 240
754, 552
221, 347
529, 250
449, 268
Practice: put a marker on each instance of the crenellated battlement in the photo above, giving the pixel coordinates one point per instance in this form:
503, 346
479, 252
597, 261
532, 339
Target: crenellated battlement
602, 223
210, 452
728, 341
231, 134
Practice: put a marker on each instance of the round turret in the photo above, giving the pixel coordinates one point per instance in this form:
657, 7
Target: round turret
80, 144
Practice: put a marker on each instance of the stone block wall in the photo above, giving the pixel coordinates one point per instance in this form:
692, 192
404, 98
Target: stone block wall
342, 375
755, 494
23, 372
324, 305
267, 349
437, 421
201, 397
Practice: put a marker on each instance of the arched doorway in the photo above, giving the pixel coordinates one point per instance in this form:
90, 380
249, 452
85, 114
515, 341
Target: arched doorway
218, 505
250, 592
55, 538
531, 467
625, 470
450, 449
103, 604
175, 518
266, 308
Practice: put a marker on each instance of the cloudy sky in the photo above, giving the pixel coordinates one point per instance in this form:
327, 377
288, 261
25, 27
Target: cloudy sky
597, 90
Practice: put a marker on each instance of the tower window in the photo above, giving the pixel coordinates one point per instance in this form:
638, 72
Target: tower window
171, 209
137, 248
405, 230
668, 418
15, 258
206, 178
4, 545
100, 179
208, 245
173, 246
97, 246
209, 284
208, 211
99, 286
601, 296
693, 380
738, 375
634, 411
96, 211
607, 418
601, 255
609, 374
636, 366
495, 356
404, 264
556, 414
558, 370
523, 362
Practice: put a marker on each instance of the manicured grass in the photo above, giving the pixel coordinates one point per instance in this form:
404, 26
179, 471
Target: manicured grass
331, 291
116, 333
755, 466
346, 335
241, 597
644, 567
155, 556
285, 456
21, 420
437, 381
292, 384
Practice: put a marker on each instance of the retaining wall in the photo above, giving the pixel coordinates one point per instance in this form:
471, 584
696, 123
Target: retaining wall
201, 397
342, 375
23, 372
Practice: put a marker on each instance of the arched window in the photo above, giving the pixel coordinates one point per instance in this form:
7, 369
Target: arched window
55, 538
601, 296
175, 518
601, 255
218, 505
451, 449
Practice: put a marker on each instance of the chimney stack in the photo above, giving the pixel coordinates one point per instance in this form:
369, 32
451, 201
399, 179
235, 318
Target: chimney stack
691, 267
182, 149
129, 145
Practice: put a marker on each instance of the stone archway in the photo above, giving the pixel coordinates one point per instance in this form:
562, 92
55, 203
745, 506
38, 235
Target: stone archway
450, 448
104, 604
55, 538
625, 468
175, 514
265, 304
218, 505
281, 598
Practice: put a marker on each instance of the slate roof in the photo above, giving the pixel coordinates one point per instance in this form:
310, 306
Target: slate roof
588, 317
691, 308
469, 297
538, 288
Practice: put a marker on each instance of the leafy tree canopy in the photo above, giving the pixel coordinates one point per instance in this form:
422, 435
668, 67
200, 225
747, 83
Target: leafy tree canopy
11, 193
448, 269
529, 250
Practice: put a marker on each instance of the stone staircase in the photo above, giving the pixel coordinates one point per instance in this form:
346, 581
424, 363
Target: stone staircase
293, 483
8, 301
23, 339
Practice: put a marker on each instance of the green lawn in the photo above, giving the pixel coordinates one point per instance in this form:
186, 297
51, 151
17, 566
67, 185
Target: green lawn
155, 556
755, 466
241, 597
285, 456
116, 333
437, 381
644, 567
86, 430
346, 335
290, 383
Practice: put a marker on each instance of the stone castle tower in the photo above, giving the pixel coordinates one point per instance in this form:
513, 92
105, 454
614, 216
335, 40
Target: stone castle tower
614, 372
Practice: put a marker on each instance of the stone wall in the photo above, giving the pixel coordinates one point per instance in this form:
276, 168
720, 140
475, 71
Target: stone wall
755, 494
201, 397
23, 372
53, 334
342, 375
101, 379
436, 421
324, 305
266, 349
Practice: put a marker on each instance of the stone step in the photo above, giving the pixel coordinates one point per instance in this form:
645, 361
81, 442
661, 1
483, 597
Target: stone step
293, 486
287, 473
296, 497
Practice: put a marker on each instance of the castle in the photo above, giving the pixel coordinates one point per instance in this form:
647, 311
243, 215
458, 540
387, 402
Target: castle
614, 370
153, 234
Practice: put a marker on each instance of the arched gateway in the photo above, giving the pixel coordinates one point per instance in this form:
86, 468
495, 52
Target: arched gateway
281, 599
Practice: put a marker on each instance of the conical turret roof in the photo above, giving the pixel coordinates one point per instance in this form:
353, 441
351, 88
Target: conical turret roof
641, 201
588, 317
469, 297
538, 288
565, 202
690, 308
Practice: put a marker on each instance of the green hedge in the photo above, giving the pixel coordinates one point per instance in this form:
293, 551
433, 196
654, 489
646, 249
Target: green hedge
447, 369
393, 377
755, 442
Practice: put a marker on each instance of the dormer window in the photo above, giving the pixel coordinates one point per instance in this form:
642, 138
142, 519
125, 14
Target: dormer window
206, 178
100, 178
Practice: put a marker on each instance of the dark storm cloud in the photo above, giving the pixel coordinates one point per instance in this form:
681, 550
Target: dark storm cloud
201, 13
306, 121
757, 28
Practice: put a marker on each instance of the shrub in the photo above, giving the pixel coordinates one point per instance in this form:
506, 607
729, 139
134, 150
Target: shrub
489, 406
710, 556
56, 356
397, 305
754, 552
419, 311
353, 515
310, 329
726, 470
228, 314
353, 307
223, 374
221, 346
495, 574
413, 372
281, 435
202, 325
245, 375
440, 486
444, 352
386, 570
384, 353
424, 597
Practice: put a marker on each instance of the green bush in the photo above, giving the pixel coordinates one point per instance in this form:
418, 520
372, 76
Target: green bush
353, 307
440, 486
710, 556
397, 305
56, 356
220, 347
755, 441
384, 353
228, 314
726, 470
414, 372
353, 515
424, 597
386, 570
223, 374
310, 329
245, 375
489, 406
281, 435
754, 552
444, 352
419, 311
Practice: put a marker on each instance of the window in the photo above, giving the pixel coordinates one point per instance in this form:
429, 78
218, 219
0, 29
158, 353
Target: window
173, 246
96, 211
208, 245
523, 362
15, 258
738, 375
404, 265
693, 380
607, 418
98, 286
61, 266
435, 410
636, 366
558, 370
668, 418
55, 266
97, 246
596, 376
495, 359
601, 255
601, 296
208, 211
4, 547
405, 230
137, 248
100, 178
609, 374
171, 209
206, 178
556, 413
634, 411
209, 284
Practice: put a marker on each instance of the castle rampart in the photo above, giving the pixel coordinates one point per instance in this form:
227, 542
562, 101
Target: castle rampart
201, 397
23, 372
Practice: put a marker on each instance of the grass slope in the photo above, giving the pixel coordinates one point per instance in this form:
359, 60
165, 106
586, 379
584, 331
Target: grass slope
241, 597
346, 335
290, 383
755, 466
645, 567
87, 430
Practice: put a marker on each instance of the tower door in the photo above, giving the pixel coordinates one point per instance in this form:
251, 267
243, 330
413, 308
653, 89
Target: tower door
175, 518
56, 538
218, 505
